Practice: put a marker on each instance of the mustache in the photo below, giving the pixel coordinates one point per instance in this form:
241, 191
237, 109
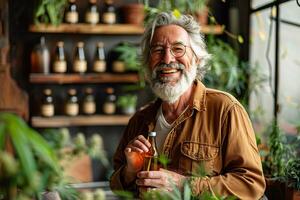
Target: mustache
173, 65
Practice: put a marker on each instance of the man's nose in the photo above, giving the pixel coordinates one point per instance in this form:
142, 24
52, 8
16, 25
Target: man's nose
168, 57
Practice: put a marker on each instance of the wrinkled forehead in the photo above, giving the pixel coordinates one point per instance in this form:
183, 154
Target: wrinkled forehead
170, 34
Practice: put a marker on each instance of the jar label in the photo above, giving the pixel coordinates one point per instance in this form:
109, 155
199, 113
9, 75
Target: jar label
89, 107
109, 18
80, 66
59, 66
72, 109
109, 108
47, 110
118, 66
92, 17
99, 66
72, 17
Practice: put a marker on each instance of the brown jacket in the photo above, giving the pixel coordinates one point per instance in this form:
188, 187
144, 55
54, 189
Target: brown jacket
216, 132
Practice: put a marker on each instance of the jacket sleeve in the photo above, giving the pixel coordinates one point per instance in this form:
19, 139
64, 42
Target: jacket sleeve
242, 174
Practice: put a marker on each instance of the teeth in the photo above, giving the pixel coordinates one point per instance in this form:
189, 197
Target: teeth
169, 71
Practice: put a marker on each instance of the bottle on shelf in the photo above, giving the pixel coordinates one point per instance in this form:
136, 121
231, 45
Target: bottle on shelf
47, 106
79, 61
71, 13
109, 13
40, 58
109, 106
71, 106
99, 64
59, 63
151, 158
89, 104
92, 13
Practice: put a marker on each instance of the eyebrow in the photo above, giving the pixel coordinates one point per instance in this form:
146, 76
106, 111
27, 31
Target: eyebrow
162, 44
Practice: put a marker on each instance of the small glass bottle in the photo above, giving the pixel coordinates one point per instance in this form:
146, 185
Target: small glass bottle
109, 13
72, 107
89, 104
40, 58
71, 14
79, 61
99, 61
92, 14
47, 106
109, 106
151, 158
59, 63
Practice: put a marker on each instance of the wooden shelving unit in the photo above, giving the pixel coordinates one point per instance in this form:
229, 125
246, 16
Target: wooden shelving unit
115, 29
83, 78
81, 120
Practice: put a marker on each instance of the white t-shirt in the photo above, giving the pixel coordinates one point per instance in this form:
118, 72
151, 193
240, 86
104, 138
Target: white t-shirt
162, 128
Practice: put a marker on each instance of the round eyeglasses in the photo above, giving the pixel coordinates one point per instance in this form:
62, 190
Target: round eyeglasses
177, 50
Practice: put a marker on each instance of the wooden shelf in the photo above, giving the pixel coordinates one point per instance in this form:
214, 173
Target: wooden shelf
83, 78
81, 120
115, 29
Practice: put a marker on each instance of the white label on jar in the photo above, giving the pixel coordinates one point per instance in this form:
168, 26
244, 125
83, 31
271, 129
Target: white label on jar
47, 110
72, 17
109, 18
59, 66
99, 66
79, 66
109, 108
72, 109
89, 107
118, 66
92, 17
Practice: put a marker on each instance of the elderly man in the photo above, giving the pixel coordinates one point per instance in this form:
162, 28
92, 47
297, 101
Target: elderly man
194, 124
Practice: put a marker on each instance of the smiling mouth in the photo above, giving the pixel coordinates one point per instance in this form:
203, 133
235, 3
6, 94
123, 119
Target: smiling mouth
168, 71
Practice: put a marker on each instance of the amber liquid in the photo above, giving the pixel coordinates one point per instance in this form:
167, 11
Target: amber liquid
151, 163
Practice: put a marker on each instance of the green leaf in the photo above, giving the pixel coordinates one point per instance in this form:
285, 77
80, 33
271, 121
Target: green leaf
187, 192
2, 135
240, 39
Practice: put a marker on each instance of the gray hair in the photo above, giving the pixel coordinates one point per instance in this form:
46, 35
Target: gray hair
188, 23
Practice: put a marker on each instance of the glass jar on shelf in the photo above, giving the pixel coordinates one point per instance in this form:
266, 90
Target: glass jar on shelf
88, 104
72, 106
109, 13
47, 105
71, 13
109, 105
40, 58
79, 61
92, 13
99, 64
59, 63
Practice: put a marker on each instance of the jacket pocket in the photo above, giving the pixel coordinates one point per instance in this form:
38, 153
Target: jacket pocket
195, 155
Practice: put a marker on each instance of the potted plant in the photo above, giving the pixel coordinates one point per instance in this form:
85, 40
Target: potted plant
48, 11
133, 13
127, 103
28, 165
292, 175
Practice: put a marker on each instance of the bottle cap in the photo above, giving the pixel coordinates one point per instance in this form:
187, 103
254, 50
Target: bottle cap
152, 134
80, 44
93, 1
109, 90
100, 44
47, 91
72, 1
60, 43
72, 91
88, 90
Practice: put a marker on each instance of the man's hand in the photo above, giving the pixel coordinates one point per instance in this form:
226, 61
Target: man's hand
134, 157
162, 179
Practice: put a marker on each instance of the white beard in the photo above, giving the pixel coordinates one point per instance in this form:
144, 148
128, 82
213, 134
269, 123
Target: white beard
170, 92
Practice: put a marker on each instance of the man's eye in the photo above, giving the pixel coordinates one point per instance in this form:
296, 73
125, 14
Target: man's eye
157, 50
177, 49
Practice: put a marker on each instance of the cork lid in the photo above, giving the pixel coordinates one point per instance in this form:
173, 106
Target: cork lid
88, 90
100, 44
72, 1
109, 1
72, 91
109, 90
60, 43
93, 1
80, 44
47, 91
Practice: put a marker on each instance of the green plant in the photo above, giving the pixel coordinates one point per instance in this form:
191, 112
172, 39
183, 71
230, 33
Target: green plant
292, 173
28, 165
49, 11
127, 100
